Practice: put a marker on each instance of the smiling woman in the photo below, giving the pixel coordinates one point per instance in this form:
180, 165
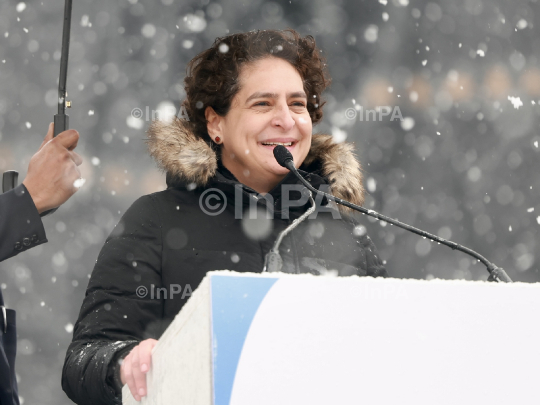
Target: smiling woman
246, 94
260, 119
254, 89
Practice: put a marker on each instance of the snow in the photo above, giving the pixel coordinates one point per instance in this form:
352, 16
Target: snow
408, 123
516, 101
522, 24
60, 226
193, 23
371, 184
223, 48
359, 230
517, 60
371, 33
79, 183
85, 20
107, 137
165, 111
402, 3
148, 30
338, 134
134, 122
128, 55
187, 43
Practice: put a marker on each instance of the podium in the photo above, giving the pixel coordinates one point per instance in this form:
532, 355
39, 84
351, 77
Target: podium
279, 339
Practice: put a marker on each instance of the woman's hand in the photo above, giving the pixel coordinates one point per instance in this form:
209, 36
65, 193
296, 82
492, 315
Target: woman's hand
135, 366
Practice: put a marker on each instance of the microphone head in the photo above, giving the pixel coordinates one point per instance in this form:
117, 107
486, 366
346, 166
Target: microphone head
282, 155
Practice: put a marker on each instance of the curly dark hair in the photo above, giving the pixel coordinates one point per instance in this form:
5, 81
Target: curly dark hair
212, 76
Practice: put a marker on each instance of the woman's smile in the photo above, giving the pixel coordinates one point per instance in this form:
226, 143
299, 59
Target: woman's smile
270, 144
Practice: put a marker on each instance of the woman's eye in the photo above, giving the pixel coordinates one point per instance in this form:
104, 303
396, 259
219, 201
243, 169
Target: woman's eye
298, 104
263, 103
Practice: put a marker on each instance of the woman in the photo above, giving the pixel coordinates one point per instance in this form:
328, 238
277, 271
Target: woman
245, 94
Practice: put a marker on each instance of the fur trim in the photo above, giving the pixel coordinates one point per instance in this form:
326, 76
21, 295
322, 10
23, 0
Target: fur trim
340, 166
189, 158
179, 152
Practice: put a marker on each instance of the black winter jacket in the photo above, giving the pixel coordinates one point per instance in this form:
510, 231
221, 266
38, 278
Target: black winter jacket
165, 244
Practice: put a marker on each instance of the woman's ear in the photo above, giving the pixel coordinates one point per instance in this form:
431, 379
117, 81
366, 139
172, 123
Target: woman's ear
213, 123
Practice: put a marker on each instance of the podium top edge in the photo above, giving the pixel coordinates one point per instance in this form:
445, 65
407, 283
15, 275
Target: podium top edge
307, 276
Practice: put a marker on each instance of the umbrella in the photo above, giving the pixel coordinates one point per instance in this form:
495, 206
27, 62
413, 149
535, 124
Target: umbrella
61, 120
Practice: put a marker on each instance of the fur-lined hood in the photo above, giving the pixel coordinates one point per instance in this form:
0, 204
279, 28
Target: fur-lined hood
187, 157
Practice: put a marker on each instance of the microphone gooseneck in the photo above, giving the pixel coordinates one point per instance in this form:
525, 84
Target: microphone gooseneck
285, 159
272, 260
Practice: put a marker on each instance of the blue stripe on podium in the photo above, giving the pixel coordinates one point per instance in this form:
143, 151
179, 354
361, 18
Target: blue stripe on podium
235, 301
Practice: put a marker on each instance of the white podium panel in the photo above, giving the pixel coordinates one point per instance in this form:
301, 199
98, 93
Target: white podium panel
245, 339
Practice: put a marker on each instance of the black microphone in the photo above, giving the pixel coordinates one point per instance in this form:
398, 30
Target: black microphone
283, 156
285, 159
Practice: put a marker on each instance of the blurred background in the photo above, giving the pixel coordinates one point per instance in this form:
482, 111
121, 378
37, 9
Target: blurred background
463, 74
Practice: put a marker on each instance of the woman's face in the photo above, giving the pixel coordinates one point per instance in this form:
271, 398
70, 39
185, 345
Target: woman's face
270, 108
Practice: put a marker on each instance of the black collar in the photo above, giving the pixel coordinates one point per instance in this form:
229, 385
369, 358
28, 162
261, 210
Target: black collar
228, 183
225, 181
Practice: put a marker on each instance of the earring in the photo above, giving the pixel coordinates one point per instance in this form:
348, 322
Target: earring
217, 140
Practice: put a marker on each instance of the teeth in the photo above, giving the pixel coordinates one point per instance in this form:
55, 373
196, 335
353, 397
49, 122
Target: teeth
278, 143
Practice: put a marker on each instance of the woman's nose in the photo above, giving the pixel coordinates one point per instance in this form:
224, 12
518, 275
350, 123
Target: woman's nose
283, 118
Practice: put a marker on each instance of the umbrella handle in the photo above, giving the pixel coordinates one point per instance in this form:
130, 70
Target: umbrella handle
9, 180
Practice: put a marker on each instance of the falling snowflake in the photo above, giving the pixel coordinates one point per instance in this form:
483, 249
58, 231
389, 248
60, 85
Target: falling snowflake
516, 102
407, 124
79, 183
223, 48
